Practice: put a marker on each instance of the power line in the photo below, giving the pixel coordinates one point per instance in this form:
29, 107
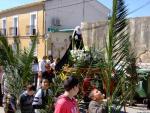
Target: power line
70, 5
100, 11
104, 25
83, 7
99, 26
142, 6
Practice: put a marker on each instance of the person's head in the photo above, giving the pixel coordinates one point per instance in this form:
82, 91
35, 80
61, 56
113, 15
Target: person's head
71, 84
50, 57
45, 84
96, 95
35, 60
30, 89
44, 57
78, 29
48, 67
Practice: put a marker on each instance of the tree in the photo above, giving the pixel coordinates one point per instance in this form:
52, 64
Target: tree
117, 54
17, 64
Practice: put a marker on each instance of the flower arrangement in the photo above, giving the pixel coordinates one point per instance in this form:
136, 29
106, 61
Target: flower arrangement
86, 59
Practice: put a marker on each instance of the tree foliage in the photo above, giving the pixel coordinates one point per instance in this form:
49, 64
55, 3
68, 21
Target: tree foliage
17, 64
117, 54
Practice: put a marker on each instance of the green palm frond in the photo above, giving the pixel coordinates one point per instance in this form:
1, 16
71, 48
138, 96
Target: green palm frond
17, 43
118, 41
17, 64
6, 56
117, 51
29, 58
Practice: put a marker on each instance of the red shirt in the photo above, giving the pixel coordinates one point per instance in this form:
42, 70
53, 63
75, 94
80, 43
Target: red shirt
66, 105
86, 85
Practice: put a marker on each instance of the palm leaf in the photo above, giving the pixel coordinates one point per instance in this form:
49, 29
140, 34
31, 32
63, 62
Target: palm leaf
117, 49
6, 56
29, 58
118, 40
17, 65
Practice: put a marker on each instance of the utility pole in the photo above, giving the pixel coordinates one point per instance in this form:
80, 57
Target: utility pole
83, 11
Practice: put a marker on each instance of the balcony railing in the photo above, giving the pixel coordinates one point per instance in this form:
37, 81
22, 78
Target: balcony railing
14, 31
31, 30
2, 32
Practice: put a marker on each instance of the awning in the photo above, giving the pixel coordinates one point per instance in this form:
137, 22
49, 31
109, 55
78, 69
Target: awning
52, 29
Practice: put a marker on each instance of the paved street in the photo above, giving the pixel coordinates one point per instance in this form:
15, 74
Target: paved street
1, 110
139, 109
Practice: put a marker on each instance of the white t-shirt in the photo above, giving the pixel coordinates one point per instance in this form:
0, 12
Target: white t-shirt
42, 65
35, 67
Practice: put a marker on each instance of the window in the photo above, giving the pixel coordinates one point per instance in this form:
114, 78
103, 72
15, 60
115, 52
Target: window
3, 29
33, 23
14, 29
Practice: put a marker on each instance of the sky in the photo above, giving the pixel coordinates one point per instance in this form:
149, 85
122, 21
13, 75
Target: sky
5, 4
143, 6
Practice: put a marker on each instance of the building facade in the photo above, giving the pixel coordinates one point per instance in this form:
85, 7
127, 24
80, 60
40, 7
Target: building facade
23, 22
70, 13
41, 18
66, 15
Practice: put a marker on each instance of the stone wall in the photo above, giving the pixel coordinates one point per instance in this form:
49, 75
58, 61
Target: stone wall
94, 35
140, 37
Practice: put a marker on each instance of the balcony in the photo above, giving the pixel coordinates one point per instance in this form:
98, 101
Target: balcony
14, 31
31, 30
2, 32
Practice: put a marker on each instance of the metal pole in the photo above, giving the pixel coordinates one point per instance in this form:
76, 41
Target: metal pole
83, 10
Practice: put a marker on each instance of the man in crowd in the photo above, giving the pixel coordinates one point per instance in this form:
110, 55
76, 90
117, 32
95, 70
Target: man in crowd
26, 99
48, 73
42, 96
66, 103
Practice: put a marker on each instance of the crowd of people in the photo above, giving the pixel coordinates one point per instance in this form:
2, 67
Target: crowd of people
36, 95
